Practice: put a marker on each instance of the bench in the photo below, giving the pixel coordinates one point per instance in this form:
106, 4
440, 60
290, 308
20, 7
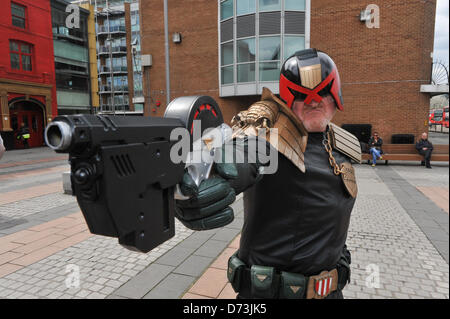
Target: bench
408, 152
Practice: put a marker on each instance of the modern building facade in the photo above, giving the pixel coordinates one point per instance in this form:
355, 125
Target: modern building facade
27, 70
230, 49
118, 52
74, 89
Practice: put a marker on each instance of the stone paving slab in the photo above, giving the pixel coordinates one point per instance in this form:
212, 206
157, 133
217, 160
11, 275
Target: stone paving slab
146, 280
188, 260
426, 214
100, 265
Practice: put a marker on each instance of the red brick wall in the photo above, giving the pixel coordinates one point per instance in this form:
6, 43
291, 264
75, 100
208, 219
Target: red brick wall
381, 69
193, 63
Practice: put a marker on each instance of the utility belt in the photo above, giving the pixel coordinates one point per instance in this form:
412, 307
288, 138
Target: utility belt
265, 282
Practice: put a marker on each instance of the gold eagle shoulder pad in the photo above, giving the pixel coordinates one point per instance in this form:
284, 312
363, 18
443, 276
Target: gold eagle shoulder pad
345, 142
273, 113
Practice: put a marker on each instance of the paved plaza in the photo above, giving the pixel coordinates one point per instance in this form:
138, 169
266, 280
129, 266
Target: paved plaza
398, 237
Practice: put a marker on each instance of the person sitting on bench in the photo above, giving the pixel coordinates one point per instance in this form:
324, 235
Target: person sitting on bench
425, 148
375, 143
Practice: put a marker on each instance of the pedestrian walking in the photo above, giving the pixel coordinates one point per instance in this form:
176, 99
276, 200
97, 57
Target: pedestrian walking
24, 135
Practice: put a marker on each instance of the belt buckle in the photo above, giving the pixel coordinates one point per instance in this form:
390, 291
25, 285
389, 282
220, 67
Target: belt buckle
321, 285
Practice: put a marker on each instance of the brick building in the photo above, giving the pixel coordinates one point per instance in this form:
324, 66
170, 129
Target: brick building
230, 49
27, 69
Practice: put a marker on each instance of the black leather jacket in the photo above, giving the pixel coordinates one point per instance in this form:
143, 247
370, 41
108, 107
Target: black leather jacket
424, 143
376, 144
296, 221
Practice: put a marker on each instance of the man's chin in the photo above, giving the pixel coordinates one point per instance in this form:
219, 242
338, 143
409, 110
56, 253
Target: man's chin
315, 126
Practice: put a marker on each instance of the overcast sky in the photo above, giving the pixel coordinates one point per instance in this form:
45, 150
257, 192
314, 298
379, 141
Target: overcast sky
441, 32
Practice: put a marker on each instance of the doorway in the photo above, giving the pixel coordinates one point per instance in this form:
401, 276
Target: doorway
31, 114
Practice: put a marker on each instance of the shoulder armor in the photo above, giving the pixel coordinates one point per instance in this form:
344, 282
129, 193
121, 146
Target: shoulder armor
345, 142
271, 113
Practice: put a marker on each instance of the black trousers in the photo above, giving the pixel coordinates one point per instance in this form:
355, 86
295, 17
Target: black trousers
427, 155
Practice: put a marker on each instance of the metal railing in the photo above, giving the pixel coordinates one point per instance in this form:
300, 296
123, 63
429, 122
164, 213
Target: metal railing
68, 32
117, 89
115, 69
112, 29
115, 49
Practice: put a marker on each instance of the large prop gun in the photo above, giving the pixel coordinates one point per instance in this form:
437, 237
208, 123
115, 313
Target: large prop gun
121, 171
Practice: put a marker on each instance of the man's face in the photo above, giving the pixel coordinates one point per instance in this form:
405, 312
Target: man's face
315, 116
424, 136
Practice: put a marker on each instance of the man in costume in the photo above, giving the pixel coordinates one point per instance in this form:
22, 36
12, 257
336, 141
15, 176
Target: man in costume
296, 219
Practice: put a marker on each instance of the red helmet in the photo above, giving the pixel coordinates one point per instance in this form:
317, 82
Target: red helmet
310, 75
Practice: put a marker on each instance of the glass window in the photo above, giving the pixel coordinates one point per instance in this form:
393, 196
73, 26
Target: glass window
14, 46
18, 15
269, 5
246, 72
17, 10
227, 53
269, 71
294, 5
25, 48
246, 50
269, 48
226, 9
227, 75
293, 44
245, 7
26, 62
20, 56
15, 61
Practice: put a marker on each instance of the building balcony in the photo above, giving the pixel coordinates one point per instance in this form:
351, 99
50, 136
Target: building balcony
109, 12
104, 70
113, 30
118, 50
107, 89
68, 33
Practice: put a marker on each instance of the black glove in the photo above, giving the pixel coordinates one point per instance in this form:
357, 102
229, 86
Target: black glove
208, 205
344, 267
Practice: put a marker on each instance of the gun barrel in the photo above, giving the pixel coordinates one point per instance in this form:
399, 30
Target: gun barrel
58, 135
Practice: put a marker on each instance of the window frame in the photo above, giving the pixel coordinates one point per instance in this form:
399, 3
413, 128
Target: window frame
246, 13
239, 64
262, 62
220, 10
237, 88
20, 53
280, 2
223, 66
24, 18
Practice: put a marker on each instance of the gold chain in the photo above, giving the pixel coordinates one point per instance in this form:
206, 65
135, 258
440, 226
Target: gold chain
327, 145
